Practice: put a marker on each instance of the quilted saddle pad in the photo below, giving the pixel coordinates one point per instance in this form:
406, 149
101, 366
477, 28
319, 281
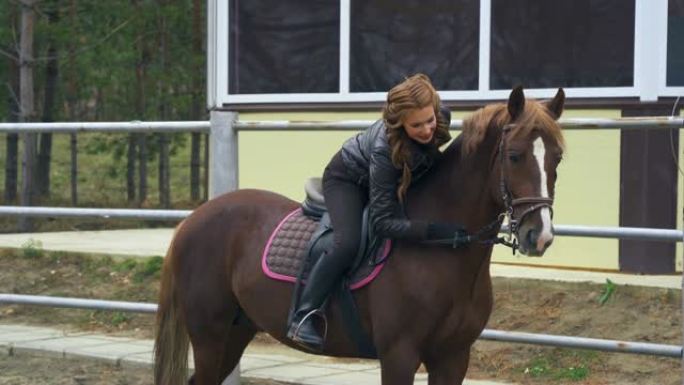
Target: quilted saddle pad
287, 246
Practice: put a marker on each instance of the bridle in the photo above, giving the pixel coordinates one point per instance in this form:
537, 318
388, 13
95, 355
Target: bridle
510, 205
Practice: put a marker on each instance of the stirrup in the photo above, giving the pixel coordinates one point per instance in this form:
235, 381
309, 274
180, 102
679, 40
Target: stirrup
293, 333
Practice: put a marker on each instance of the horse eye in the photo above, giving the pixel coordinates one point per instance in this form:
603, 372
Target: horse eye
515, 158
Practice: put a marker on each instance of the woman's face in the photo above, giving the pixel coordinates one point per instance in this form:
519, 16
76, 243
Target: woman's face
420, 124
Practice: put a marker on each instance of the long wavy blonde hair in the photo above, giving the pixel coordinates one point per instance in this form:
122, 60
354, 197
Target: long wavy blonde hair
415, 92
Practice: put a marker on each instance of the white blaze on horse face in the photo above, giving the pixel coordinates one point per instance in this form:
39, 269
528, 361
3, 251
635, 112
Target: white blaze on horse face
546, 235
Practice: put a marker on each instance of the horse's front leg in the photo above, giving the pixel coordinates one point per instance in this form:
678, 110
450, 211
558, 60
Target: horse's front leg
399, 363
448, 367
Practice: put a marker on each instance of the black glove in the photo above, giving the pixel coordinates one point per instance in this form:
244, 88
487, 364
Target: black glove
447, 231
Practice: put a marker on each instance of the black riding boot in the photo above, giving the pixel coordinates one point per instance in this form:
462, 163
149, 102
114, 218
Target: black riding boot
322, 278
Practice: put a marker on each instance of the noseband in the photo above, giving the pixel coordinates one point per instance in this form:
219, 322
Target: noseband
510, 203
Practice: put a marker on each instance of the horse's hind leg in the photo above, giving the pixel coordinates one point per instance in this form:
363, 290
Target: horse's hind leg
238, 339
217, 343
215, 358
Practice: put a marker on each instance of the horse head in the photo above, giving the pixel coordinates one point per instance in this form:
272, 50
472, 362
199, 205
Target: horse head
530, 149
523, 145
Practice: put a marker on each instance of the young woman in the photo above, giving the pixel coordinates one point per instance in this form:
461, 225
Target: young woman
376, 165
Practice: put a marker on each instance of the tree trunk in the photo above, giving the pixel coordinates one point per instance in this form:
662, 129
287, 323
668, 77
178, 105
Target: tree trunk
51, 76
164, 172
27, 111
11, 169
130, 168
196, 108
72, 114
142, 169
141, 77
73, 173
12, 145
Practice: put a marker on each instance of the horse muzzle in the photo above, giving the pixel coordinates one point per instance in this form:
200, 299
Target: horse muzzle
534, 240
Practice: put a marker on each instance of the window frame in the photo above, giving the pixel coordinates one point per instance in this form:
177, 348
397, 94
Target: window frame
650, 64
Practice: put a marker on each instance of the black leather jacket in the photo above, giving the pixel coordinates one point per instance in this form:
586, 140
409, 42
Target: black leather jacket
367, 157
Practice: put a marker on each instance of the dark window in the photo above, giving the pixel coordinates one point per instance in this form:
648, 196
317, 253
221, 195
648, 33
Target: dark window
278, 46
675, 43
569, 43
390, 40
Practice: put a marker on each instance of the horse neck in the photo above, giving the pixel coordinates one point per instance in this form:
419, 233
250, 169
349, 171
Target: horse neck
460, 189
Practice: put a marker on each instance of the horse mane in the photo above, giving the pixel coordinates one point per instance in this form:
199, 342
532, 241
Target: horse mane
493, 117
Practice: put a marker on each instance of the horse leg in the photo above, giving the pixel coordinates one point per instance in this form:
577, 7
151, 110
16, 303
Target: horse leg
216, 358
238, 339
398, 365
209, 352
448, 367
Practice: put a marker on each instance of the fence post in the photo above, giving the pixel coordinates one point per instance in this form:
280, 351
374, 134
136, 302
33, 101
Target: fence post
223, 153
223, 173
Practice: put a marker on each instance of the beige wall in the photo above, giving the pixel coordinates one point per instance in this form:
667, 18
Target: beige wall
587, 191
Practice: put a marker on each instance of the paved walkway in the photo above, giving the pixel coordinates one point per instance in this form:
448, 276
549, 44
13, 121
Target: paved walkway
276, 363
149, 242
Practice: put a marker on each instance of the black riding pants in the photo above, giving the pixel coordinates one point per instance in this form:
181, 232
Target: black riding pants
345, 200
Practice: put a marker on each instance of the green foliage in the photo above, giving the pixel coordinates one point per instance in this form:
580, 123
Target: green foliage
118, 61
561, 365
125, 266
149, 268
119, 318
608, 290
32, 249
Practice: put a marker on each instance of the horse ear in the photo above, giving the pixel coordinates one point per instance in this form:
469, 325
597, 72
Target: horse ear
516, 102
555, 106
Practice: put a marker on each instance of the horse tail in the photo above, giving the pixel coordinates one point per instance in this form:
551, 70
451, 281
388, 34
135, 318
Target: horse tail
172, 342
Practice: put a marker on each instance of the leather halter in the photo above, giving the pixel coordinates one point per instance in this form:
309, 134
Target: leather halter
510, 203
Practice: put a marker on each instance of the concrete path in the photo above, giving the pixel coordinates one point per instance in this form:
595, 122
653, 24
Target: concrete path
273, 362
149, 242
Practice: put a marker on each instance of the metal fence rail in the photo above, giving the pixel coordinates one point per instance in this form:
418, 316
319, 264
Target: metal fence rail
487, 334
633, 233
70, 212
133, 126
571, 124
658, 122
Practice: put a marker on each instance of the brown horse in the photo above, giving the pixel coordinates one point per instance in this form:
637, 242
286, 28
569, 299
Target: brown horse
430, 302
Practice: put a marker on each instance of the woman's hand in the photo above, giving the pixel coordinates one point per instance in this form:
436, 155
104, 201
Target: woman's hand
452, 233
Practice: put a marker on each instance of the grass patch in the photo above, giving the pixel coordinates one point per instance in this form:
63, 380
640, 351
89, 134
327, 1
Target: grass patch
125, 266
79, 275
32, 249
561, 365
149, 268
608, 290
